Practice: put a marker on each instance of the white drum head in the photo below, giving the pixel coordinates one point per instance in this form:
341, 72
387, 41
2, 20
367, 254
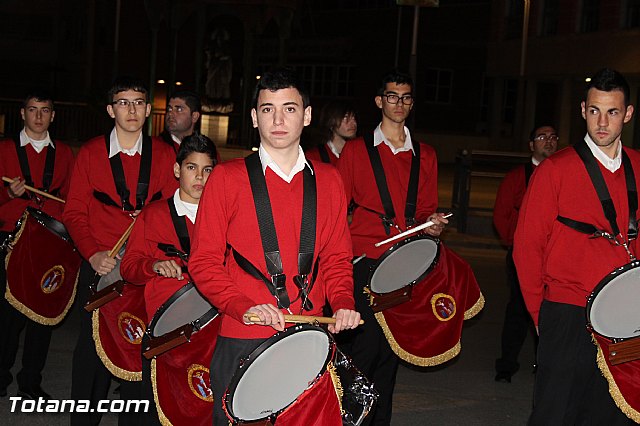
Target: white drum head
279, 374
403, 265
615, 309
185, 309
110, 278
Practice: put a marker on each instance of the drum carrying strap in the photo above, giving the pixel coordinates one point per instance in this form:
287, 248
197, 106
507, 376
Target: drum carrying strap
383, 189
324, 153
49, 163
605, 198
277, 283
180, 226
528, 171
144, 176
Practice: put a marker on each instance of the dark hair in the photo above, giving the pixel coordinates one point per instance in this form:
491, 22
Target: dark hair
394, 76
608, 80
192, 99
39, 95
196, 143
331, 115
277, 79
532, 134
124, 83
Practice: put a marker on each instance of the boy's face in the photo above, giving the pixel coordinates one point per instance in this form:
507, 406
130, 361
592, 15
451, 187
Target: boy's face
193, 174
129, 118
280, 117
37, 117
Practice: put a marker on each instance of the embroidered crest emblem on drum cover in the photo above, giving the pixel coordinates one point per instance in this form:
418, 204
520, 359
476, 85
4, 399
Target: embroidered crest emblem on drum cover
52, 280
131, 328
444, 306
199, 382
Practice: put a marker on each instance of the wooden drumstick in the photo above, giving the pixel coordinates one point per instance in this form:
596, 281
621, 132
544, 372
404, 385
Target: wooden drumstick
411, 231
37, 191
122, 240
254, 318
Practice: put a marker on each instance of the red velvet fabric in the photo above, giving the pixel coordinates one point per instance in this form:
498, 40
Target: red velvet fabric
177, 375
415, 326
34, 284
622, 378
122, 324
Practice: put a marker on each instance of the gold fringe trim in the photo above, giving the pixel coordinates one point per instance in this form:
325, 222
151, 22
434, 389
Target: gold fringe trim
414, 359
337, 384
617, 396
19, 306
164, 420
475, 309
131, 376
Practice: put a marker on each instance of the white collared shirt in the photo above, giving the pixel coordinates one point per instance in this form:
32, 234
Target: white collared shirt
333, 149
183, 208
37, 145
115, 147
611, 164
267, 161
535, 162
176, 139
378, 138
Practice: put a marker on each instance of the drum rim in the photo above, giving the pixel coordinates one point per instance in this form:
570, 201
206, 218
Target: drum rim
246, 362
44, 219
207, 317
395, 248
598, 288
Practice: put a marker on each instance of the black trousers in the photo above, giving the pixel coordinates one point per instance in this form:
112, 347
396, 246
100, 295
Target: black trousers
36, 340
90, 379
225, 361
151, 418
569, 388
370, 350
517, 322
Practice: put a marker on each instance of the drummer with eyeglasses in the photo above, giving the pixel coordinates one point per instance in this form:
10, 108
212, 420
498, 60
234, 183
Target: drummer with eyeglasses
392, 179
267, 243
577, 224
30, 158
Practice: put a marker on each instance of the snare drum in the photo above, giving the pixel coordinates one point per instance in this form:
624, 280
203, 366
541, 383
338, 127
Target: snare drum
296, 376
42, 268
403, 265
612, 312
183, 314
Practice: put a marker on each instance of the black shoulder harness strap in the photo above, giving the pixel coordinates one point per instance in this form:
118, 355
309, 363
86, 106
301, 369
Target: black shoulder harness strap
383, 189
324, 153
47, 174
528, 171
273, 259
144, 176
180, 225
608, 207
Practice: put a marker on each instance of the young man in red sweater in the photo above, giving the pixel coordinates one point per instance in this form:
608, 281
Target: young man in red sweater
373, 222
543, 141
33, 144
559, 264
228, 218
115, 176
146, 263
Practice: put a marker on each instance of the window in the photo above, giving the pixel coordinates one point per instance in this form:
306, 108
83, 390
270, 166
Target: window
631, 14
589, 16
509, 101
549, 24
438, 86
514, 15
327, 80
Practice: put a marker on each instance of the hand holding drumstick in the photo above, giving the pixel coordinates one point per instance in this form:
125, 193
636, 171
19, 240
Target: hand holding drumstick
268, 314
17, 187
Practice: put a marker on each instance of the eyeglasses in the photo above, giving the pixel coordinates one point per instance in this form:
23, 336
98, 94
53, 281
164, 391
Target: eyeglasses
392, 98
545, 138
124, 103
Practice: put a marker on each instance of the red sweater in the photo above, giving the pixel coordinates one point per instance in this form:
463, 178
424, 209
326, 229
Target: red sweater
227, 216
153, 226
12, 209
314, 154
360, 186
508, 202
95, 226
555, 262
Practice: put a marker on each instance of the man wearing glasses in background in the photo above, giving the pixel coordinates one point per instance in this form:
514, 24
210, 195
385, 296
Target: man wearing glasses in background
543, 142
397, 150
115, 175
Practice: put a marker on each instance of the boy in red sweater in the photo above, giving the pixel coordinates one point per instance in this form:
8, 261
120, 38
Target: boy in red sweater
28, 158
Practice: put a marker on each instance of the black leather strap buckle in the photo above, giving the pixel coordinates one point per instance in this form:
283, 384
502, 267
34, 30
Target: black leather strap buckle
280, 290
